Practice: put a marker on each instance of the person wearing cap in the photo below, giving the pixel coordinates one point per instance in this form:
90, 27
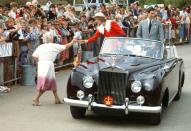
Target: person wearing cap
108, 28
151, 28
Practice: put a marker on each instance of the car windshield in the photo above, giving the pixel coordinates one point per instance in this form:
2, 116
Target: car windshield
132, 47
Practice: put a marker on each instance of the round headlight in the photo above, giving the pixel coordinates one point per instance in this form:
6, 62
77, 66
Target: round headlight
140, 100
88, 81
136, 86
80, 94
147, 86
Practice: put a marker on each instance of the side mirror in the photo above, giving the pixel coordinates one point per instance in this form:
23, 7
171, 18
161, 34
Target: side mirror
166, 68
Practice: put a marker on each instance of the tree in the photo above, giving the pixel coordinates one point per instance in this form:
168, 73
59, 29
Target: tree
148, 2
177, 3
160, 1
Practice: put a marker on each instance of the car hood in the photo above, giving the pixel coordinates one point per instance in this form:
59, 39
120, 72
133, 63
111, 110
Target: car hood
124, 63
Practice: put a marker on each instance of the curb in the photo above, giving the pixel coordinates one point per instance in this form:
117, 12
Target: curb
181, 43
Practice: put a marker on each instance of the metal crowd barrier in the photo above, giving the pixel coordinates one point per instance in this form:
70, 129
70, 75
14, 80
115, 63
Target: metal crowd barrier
2, 72
130, 32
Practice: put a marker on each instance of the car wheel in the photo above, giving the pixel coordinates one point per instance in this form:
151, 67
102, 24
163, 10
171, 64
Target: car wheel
77, 112
178, 95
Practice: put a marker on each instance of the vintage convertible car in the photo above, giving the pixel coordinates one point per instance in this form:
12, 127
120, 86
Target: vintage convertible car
129, 75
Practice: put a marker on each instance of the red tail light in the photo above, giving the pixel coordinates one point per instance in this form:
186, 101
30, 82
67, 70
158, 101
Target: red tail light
108, 100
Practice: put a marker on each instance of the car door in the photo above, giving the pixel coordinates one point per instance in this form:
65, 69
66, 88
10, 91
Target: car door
173, 75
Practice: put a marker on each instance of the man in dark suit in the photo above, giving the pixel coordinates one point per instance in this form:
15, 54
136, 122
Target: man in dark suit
151, 28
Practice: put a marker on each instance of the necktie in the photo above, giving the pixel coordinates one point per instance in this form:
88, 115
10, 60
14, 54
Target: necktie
150, 24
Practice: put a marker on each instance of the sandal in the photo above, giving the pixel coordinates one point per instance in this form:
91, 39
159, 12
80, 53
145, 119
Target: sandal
58, 102
36, 103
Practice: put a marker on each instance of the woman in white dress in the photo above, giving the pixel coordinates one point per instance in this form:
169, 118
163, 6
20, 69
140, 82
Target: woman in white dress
46, 54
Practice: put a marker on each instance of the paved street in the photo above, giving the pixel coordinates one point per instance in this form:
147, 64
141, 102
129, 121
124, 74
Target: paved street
18, 114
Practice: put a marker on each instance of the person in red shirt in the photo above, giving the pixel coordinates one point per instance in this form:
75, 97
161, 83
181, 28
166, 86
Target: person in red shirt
108, 28
174, 26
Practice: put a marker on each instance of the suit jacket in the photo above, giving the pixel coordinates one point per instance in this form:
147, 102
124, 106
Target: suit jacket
156, 32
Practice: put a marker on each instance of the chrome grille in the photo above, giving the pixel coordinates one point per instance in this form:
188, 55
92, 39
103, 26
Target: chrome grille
112, 84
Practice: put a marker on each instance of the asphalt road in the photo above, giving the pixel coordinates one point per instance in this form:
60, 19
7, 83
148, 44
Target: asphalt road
18, 114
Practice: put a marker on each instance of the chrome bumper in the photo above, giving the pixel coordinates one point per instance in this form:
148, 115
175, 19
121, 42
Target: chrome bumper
126, 107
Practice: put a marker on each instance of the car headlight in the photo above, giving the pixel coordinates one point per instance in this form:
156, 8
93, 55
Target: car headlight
136, 86
88, 81
80, 94
140, 100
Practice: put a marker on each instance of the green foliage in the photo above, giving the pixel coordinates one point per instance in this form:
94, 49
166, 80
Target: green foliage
176, 3
150, 2
147, 2
3, 2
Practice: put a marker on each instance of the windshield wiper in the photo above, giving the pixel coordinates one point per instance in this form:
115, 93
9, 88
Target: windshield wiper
133, 55
108, 54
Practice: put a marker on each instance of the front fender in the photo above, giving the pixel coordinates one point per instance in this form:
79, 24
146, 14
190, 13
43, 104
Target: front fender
75, 83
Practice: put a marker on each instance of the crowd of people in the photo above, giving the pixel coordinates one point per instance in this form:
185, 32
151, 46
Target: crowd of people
33, 24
